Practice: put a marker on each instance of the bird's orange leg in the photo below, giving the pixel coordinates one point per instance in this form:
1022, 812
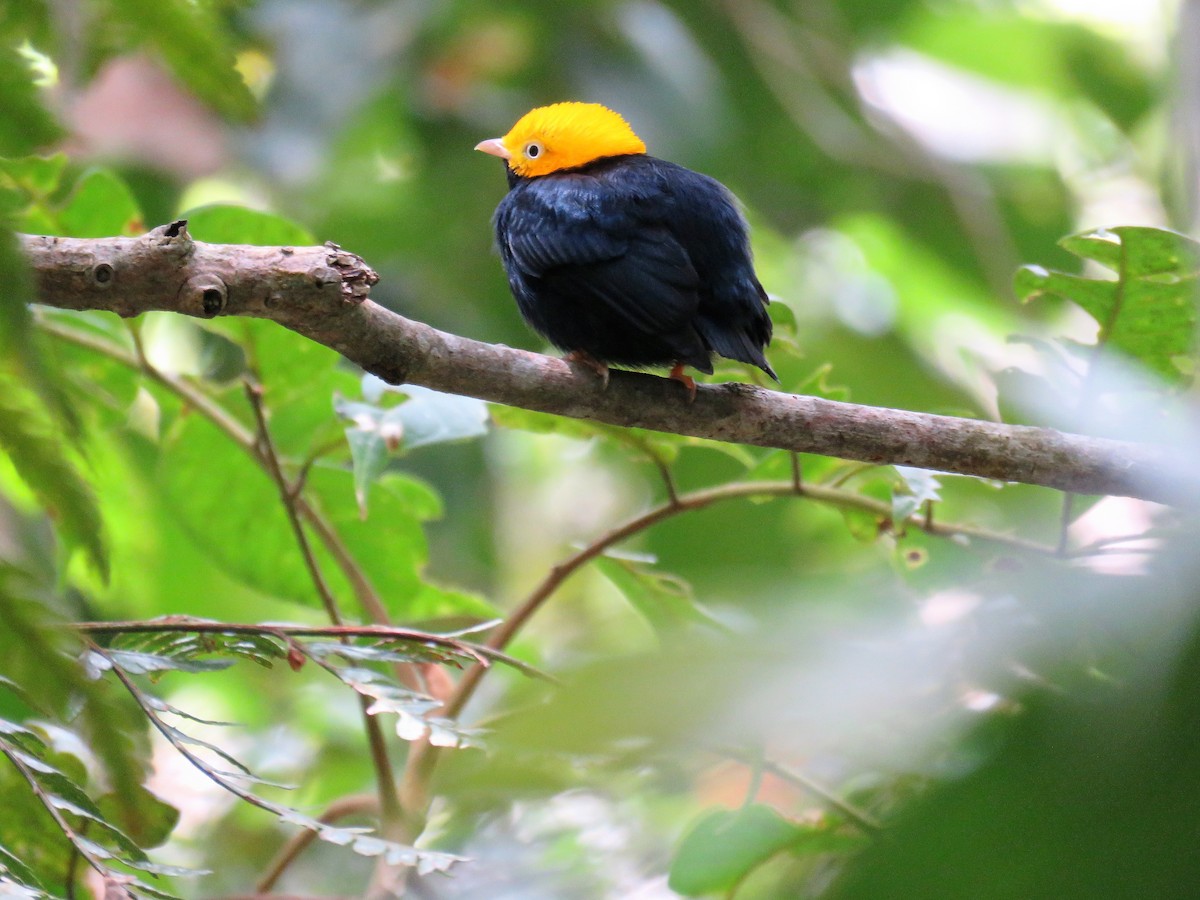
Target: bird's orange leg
586, 359
687, 381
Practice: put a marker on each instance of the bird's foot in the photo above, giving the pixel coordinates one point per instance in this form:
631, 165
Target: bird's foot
677, 374
588, 361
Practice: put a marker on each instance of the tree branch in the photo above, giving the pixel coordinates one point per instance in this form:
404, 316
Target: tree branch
321, 293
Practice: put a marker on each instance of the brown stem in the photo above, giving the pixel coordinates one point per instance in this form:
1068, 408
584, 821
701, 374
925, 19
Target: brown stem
422, 760
356, 804
860, 818
241, 436
389, 802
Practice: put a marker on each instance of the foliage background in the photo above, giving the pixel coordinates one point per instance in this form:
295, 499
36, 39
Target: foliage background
1023, 724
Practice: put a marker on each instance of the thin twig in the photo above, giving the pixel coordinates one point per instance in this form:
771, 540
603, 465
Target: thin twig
389, 802
423, 755
288, 497
74, 839
355, 804
243, 437
863, 820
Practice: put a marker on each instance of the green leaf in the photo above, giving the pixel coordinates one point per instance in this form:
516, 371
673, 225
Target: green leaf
232, 511
101, 205
369, 455
145, 817
222, 223
1149, 312
17, 291
26, 124
37, 451
426, 417
432, 417
665, 601
13, 869
33, 178
196, 46
724, 846
136, 663
1061, 59
411, 709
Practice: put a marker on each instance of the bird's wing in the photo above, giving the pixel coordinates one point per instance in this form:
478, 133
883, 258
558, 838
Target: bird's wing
601, 249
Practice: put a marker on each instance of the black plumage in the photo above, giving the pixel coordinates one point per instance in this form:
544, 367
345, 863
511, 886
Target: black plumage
635, 261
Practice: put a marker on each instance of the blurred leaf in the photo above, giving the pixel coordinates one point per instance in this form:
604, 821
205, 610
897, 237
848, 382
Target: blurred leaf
369, 453
724, 846
655, 446
425, 861
196, 46
56, 791
144, 663
410, 708
26, 124
1061, 59
33, 179
666, 602
14, 874
223, 223
1149, 312
865, 525
152, 822
426, 417
918, 487
37, 451
100, 205
432, 417
18, 291
1071, 782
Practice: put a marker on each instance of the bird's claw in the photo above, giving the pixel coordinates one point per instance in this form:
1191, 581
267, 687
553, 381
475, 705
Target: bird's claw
588, 361
677, 374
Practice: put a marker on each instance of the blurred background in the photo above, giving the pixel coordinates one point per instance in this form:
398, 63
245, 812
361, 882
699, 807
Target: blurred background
756, 686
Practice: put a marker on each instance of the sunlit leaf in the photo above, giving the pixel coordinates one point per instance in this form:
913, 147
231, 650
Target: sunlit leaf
1148, 312
222, 223
194, 43
38, 452
665, 601
100, 205
143, 663
27, 123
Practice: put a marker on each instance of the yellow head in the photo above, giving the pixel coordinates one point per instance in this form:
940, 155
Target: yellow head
563, 136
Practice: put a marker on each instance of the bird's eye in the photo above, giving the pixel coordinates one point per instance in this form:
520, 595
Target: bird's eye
533, 150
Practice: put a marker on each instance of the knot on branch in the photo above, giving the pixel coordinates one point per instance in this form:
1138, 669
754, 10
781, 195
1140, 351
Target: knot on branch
203, 295
357, 277
173, 239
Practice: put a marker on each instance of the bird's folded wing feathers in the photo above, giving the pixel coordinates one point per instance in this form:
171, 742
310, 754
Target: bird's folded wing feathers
635, 267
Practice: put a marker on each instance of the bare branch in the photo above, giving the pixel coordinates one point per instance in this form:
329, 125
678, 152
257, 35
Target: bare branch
321, 293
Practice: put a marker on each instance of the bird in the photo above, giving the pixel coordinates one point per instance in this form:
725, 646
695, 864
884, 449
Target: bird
617, 257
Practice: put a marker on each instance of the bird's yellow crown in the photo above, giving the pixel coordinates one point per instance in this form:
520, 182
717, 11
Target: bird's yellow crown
564, 136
